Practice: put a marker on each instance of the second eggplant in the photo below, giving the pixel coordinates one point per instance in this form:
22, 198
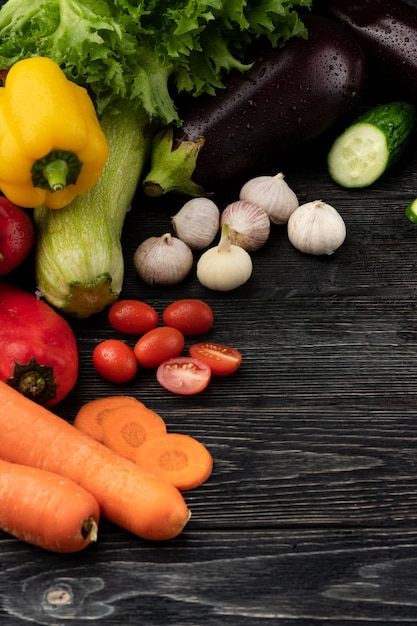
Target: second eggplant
387, 32
289, 97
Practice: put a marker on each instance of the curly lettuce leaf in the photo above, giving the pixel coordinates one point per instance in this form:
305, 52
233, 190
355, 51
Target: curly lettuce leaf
143, 51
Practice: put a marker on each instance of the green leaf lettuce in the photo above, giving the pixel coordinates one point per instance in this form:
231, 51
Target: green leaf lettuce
144, 51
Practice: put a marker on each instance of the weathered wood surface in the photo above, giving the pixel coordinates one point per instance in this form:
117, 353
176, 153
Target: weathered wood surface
232, 576
310, 514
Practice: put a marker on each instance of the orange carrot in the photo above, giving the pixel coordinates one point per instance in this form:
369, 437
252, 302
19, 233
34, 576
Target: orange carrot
179, 459
138, 501
90, 416
125, 428
46, 510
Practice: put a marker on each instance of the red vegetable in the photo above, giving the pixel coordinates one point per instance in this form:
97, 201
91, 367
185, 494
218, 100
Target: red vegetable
132, 317
222, 360
183, 375
190, 316
39, 355
17, 236
115, 360
158, 345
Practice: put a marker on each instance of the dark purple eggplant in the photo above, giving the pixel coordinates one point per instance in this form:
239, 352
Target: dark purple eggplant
289, 97
387, 32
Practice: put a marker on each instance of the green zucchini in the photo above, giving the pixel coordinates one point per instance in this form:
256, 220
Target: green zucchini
79, 264
367, 148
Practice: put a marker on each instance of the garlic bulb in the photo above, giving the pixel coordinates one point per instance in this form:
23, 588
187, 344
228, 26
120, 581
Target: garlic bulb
197, 223
224, 267
249, 225
316, 228
162, 261
273, 195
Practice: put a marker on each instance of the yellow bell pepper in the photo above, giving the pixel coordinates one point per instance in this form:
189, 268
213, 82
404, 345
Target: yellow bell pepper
52, 147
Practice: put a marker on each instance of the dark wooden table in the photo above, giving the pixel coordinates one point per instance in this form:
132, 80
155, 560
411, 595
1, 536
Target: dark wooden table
310, 514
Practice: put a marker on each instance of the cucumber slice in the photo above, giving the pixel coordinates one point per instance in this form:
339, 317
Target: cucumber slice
367, 148
411, 211
359, 156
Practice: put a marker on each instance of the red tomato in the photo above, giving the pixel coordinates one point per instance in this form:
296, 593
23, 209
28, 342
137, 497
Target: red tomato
222, 360
17, 236
132, 317
183, 375
158, 345
191, 317
115, 360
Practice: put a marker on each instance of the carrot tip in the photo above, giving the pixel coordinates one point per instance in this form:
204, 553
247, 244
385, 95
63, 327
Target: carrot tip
90, 529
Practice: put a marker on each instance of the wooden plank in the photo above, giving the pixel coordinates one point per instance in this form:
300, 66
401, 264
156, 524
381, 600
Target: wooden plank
242, 578
320, 428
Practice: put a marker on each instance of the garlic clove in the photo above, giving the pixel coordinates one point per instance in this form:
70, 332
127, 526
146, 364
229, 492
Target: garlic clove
316, 228
273, 194
163, 261
197, 223
224, 267
249, 225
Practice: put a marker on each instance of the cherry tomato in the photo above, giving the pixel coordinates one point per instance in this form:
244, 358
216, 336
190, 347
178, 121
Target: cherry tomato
222, 360
158, 345
183, 375
191, 317
115, 361
132, 317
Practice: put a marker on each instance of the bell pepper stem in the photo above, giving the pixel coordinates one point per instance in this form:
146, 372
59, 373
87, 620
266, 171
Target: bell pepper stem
55, 172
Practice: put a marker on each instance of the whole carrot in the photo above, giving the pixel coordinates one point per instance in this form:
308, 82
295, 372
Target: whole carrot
45, 509
138, 501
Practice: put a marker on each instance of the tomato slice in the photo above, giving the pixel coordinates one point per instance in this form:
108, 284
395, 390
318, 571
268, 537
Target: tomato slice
222, 360
183, 375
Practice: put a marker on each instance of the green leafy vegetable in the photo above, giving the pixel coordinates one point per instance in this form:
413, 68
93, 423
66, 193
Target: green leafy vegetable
134, 58
138, 50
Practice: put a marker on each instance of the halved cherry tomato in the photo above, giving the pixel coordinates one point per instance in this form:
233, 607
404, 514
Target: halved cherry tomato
190, 316
115, 361
222, 360
183, 375
158, 345
132, 317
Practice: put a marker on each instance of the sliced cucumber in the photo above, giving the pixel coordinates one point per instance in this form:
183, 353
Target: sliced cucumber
411, 211
367, 148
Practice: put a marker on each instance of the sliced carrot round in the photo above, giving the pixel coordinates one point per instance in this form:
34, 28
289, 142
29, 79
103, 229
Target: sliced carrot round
180, 459
90, 416
127, 427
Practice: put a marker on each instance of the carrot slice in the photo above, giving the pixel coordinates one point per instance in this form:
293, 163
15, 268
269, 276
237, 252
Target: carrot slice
90, 416
126, 427
180, 459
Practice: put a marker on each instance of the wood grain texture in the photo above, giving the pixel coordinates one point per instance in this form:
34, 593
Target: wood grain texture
310, 514
302, 577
